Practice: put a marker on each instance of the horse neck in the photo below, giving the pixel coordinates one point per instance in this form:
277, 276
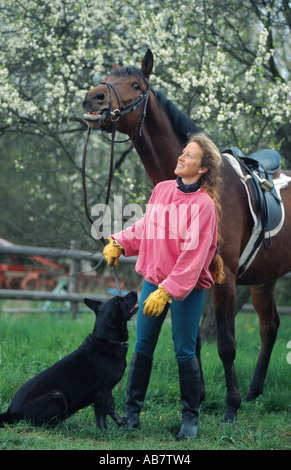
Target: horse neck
158, 147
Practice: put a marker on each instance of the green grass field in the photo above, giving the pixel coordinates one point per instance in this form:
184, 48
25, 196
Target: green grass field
30, 343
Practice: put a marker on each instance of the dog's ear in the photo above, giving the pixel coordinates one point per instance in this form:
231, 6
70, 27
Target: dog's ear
93, 304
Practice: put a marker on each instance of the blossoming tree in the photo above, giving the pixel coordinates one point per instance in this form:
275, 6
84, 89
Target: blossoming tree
225, 67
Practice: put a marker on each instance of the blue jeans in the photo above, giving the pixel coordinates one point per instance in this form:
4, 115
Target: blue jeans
185, 316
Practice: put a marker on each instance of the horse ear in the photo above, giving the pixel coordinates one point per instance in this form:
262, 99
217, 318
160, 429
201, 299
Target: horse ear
147, 63
115, 66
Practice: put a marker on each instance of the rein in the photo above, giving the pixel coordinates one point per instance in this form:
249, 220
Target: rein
121, 111
107, 195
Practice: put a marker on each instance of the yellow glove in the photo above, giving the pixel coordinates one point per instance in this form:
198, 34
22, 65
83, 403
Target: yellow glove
155, 303
112, 251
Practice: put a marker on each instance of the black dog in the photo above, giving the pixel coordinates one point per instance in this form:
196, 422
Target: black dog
84, 377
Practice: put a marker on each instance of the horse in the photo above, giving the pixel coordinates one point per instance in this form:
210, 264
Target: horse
159, 130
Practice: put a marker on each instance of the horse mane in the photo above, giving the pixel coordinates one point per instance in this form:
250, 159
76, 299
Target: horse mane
183, 126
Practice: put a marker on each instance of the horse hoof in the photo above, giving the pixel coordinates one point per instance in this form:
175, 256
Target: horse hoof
228, 424
227, 421
230, 416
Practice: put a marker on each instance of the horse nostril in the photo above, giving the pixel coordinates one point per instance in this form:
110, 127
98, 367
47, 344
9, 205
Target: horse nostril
99, 96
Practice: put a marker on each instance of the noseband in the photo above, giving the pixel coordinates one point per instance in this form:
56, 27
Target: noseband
128, 108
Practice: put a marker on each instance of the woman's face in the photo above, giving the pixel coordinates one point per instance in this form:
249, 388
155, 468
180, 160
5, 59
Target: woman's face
189, 164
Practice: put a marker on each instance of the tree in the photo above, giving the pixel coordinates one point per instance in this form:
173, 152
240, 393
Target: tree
226, 67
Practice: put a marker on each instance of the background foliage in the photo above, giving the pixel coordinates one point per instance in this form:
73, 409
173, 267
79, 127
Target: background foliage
226, 67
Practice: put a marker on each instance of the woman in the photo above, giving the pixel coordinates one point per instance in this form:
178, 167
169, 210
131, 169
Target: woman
178, 261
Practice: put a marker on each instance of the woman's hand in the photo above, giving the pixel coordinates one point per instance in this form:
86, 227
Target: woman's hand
112, 251
155, 304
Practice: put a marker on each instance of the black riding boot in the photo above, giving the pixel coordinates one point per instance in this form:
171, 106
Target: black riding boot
189, 375
137, 384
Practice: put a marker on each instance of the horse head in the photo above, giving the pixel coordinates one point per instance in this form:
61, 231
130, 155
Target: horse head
121, 97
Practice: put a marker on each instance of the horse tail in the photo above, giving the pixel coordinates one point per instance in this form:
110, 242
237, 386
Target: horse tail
5, 418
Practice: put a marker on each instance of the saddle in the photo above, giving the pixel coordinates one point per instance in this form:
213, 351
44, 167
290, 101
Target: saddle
257, 172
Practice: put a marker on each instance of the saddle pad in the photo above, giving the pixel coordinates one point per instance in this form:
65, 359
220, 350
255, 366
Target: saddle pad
278, 221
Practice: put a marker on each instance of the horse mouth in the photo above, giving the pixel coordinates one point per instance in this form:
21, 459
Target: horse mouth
94, 116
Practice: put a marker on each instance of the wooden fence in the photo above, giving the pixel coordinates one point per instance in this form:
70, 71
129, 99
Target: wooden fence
72, 295
74, 255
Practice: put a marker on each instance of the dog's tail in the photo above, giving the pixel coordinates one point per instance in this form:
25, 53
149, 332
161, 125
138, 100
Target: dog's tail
6, 418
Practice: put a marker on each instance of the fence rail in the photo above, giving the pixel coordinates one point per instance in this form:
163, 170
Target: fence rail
44, 295
72, 295
74, 255
22, 250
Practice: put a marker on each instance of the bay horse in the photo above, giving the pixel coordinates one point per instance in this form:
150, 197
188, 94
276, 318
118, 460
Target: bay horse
159, 131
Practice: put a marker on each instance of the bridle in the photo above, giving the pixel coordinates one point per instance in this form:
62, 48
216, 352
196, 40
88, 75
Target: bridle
115, 115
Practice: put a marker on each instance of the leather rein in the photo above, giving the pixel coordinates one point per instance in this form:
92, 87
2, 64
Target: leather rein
115, 115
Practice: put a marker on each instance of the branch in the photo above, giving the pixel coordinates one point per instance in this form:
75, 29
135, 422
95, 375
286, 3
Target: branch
287, 11
122, 157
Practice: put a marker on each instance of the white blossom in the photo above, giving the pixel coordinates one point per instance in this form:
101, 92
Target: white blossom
52, 71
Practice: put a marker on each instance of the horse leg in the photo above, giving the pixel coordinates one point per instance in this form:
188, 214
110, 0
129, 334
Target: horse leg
264, 303
224, 297
198, 355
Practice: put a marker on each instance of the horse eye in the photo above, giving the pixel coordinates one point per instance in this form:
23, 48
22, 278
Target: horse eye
136, 86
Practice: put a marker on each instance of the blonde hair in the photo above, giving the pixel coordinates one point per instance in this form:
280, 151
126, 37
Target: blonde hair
210, 183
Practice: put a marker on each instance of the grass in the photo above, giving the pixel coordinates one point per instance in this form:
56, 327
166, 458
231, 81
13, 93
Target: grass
30, 343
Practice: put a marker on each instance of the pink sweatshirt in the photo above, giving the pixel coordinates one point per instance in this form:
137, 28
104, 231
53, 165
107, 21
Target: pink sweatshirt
175, 240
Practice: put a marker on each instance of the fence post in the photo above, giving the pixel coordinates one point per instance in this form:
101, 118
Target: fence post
74, 278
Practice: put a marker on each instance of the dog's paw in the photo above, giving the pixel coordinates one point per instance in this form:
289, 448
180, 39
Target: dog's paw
122, 421
101, 423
